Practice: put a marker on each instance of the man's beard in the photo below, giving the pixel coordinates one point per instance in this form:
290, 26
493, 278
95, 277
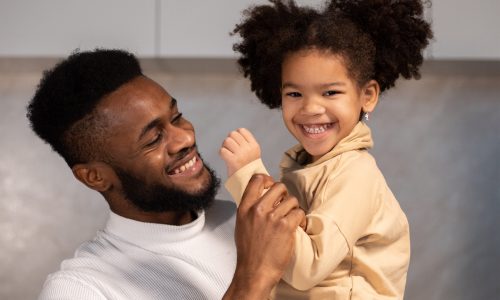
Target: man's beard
159, 198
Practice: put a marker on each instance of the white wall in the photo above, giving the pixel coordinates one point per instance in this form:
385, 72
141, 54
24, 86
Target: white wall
466, 29
57, 27
194, 28
54, 28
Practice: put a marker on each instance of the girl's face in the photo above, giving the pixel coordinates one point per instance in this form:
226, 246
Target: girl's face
321, 104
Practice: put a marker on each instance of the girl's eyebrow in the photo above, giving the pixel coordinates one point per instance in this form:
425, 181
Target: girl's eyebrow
338, 83
290, 85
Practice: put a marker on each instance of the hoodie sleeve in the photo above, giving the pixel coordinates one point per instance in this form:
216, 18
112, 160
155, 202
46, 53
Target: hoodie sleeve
237, 183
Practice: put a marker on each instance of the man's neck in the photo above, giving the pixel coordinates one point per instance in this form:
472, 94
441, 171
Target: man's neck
169, 217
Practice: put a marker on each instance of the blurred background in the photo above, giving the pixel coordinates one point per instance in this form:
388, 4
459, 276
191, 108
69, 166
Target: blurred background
437, 140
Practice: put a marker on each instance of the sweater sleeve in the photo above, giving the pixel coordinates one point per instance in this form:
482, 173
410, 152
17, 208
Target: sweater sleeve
333, 227
237, 183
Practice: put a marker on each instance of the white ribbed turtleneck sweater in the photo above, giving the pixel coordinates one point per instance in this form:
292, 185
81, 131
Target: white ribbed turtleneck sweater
141, 261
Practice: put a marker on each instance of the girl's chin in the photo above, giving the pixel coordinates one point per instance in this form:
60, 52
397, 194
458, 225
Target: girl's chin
315, 154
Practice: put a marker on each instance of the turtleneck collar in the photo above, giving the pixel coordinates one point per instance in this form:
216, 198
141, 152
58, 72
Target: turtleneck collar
150, 234
359, 138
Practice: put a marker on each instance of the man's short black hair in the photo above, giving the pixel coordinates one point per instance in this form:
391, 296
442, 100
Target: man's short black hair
62, 111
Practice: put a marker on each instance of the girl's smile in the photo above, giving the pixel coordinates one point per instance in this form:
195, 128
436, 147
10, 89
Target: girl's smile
316, 131
321, 103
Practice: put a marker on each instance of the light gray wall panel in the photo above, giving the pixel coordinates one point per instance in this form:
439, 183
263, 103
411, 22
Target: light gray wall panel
436, 140
52, 28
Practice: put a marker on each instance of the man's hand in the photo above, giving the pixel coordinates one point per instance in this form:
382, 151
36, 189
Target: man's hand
239, 149
265, 235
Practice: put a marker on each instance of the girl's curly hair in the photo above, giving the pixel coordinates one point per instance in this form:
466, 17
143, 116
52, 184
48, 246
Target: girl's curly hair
377, 39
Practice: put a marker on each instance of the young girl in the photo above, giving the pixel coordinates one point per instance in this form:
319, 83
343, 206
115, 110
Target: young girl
325, 70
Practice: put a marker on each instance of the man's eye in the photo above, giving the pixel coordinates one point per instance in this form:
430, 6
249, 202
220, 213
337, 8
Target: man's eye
177, 118
156, 140
293, 94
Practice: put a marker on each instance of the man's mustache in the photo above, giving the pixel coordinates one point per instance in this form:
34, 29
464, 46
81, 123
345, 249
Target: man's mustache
180, 155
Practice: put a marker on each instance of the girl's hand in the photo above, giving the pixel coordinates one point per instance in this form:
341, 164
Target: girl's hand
239, 149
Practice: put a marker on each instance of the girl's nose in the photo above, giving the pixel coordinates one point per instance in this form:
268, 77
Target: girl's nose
312, 106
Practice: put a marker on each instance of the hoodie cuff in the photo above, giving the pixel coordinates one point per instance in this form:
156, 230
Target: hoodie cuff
237, 183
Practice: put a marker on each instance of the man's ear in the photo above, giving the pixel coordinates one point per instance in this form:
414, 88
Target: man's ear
95, 175
369, 96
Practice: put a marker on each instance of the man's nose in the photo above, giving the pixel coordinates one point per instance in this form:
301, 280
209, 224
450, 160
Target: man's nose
179, 138
312, 106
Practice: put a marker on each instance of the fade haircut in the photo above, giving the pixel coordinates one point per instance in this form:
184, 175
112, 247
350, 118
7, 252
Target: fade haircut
62, 111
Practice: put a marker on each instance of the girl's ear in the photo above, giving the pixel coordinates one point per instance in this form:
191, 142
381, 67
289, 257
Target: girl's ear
95, 175
369, 96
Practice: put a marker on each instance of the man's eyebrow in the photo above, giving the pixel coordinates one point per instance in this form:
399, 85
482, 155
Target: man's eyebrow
173, 103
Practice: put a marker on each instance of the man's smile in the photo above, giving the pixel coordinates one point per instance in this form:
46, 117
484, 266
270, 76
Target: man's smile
190, 165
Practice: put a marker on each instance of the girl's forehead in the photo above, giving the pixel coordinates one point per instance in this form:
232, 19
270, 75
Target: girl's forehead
313, 62
310, 56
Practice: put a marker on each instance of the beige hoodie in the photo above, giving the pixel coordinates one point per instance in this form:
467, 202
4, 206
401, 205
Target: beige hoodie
356, 244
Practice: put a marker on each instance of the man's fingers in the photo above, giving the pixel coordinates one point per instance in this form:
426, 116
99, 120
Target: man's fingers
296, 217
254, 189
276, 193
286, 206
268, 181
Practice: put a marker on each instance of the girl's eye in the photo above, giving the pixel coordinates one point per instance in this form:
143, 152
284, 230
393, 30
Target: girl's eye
331, 93
293, 94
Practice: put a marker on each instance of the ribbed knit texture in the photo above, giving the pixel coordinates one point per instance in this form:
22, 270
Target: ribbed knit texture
136, 260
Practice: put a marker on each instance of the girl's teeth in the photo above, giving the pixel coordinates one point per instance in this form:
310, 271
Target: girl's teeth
315, 129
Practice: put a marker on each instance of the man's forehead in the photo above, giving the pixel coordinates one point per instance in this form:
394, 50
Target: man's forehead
141, 98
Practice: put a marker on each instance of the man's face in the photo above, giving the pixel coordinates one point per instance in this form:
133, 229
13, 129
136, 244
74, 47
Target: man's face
159, 198
153, 151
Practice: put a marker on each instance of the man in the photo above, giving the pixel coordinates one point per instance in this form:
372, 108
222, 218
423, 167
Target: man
166, 238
